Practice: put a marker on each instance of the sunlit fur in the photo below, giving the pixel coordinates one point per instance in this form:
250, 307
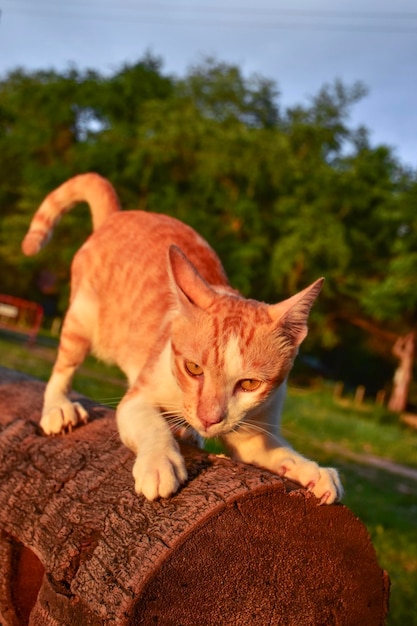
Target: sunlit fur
149, 294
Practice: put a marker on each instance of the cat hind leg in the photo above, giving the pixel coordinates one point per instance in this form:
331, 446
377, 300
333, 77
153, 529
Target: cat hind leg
63, 416
59, 413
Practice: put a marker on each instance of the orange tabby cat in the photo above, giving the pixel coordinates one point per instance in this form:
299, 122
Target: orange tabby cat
149, 294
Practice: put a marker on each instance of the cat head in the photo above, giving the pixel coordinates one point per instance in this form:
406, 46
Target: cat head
229, 354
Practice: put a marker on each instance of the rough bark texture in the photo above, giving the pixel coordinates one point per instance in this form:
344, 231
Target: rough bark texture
236, 546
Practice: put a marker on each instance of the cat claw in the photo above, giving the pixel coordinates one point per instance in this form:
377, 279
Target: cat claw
60, 420
324, 498
159, 476
323, 482
329, 488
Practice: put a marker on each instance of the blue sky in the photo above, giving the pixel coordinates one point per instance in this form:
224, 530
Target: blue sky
299, 44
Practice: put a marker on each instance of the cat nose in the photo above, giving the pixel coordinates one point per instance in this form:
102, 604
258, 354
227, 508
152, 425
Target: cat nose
210, 419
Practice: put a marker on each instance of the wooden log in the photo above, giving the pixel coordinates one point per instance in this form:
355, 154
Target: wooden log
237, 545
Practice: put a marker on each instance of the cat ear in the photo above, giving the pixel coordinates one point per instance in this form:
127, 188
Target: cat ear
189, 285
292, 314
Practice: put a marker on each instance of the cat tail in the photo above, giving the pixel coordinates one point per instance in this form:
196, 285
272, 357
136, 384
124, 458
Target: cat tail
91, 188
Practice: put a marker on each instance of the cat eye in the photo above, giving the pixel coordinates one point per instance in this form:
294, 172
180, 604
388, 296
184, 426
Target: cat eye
193, 368
249, 384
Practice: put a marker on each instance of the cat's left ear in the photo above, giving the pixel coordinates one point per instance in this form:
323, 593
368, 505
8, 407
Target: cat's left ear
292, 314
189, 285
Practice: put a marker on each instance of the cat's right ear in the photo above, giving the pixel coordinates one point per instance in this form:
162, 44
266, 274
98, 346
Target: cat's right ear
188, 285
292, 314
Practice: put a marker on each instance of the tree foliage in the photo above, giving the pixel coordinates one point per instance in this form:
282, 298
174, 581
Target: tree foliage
284, 196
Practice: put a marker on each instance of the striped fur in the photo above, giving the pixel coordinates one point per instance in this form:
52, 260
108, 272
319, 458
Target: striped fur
149, 294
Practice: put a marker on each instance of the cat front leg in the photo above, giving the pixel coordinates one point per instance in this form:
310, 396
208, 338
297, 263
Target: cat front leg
159, 468
324, 482
265, 451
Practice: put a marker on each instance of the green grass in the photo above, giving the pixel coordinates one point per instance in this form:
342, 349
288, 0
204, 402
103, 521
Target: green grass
95, 380
313, 422
313, 417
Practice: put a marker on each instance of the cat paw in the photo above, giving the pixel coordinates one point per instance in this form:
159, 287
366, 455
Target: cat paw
63, 417
159, 475
323, 482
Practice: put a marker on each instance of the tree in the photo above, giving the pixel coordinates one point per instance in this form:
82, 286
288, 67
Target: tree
404, 349
55, 125
283, 196
389, 295
221, 92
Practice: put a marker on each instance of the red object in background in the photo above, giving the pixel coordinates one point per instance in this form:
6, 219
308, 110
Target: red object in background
21, 316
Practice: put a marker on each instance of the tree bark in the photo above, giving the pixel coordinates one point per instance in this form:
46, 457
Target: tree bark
403, 349
235, 546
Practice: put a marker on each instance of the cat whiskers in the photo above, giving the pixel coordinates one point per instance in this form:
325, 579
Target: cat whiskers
252, 426
177, 423
111, 402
